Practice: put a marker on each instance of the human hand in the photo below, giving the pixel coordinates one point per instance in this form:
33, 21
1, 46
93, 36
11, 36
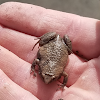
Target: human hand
20, 24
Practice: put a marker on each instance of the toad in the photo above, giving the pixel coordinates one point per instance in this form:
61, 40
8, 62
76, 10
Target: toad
52, 57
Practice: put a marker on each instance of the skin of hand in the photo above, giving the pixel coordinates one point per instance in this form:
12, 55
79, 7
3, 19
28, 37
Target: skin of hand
20, 24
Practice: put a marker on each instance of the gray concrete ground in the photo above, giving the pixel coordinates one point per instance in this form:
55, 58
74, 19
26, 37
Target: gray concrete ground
88, 8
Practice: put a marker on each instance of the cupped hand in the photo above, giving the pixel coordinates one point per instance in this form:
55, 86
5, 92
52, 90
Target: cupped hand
19, 24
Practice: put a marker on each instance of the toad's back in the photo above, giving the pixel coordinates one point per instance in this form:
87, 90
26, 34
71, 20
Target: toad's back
53, 57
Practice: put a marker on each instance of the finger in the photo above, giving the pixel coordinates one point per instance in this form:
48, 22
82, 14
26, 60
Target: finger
18, 43
41, 20
17, 69
82, 31
10, 91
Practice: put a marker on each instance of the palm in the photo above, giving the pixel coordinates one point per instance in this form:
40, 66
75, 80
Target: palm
84, 79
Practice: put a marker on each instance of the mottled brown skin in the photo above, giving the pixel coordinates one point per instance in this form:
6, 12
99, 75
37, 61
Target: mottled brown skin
52, 57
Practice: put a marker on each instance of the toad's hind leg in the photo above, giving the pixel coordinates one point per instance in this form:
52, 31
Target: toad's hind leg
35, 62
65, 78
68, 44
61, 86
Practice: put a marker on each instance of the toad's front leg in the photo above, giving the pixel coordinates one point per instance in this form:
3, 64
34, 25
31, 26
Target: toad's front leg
35, 62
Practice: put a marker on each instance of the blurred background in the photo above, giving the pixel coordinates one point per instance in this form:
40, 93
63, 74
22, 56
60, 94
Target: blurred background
86, 8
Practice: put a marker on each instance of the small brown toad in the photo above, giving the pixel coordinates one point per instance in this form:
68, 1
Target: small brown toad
52, 57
